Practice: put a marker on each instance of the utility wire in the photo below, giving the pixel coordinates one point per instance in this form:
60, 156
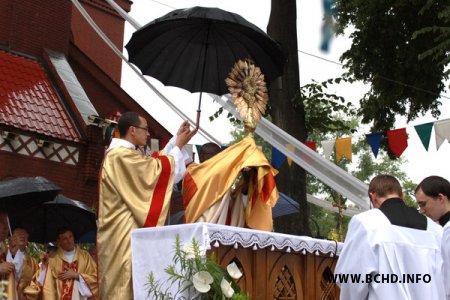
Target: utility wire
163, 4
380, 76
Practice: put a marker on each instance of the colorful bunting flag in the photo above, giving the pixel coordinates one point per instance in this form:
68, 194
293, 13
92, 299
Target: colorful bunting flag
374, 140
397, 140
198, 147
442, 132
190, 150
344, 148
327, 148
291, 148
424, 133
278, 158
311, 145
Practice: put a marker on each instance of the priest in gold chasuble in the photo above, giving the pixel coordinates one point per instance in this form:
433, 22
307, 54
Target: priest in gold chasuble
134, 192
68, 274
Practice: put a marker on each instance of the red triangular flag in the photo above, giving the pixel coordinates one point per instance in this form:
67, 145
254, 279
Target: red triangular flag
397, 140
311, 145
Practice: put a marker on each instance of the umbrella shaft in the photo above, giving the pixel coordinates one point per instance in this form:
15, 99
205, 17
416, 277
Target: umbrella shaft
204, 68
203, 77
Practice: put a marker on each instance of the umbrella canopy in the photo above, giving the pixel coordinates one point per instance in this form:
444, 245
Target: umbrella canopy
285, 206
196, 48
19, 193
45, 220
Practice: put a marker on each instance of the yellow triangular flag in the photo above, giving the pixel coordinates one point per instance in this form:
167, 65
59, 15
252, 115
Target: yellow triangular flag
344, 148
291, 148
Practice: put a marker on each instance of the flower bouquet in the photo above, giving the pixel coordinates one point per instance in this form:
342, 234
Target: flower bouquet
196, 276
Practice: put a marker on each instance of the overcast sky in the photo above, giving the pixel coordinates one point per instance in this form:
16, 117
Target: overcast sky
309, 19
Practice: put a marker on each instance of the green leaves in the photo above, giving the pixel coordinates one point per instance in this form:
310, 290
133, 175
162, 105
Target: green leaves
191, 272
324, 112
398, 50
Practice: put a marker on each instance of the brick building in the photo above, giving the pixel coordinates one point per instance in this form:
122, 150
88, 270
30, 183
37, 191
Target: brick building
55, 72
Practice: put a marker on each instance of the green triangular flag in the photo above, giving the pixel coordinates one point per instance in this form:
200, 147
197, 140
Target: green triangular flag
424, 132
198, 147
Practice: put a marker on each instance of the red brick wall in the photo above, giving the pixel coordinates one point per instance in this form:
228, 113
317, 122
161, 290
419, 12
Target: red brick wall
91, 44
30, 25
5, 18
68, 177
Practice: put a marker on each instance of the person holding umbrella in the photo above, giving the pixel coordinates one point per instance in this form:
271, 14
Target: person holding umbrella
135, 192
24, 266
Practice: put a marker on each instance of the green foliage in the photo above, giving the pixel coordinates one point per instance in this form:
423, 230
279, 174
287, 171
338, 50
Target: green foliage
186, 263
322, 109
441, 46
385, 55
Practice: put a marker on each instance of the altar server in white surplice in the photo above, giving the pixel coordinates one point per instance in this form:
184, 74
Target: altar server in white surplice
394, 248
433, 198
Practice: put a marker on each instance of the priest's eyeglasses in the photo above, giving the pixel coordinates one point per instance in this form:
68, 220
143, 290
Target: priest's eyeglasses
143, 128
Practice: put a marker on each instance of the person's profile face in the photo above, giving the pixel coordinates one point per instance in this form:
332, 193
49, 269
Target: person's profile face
141, 133
428, 205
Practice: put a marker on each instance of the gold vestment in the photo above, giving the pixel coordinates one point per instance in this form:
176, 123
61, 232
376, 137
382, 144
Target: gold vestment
134, 192
29, 269
207, 183
54, 288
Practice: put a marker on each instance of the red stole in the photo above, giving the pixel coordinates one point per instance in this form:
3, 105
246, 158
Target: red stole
67, 285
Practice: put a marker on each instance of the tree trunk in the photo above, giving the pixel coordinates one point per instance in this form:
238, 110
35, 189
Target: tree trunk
291, 180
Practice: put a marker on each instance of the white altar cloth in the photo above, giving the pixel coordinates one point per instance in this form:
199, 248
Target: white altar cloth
153, 248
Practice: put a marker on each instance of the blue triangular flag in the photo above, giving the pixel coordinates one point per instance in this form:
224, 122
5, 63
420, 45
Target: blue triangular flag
374, 140
278, 158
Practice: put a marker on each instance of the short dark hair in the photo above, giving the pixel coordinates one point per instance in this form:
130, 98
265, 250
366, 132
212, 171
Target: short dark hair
432, 186
23, 227
127, 120
383, 185
62, 230
208, 150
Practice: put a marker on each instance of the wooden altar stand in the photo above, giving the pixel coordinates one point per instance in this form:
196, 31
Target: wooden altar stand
275, 266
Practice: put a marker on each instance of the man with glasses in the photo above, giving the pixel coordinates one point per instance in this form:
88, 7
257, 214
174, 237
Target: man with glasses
134, 192
393, 249
433, 198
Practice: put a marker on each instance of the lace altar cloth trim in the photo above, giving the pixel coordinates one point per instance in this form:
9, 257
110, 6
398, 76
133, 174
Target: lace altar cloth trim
242, 237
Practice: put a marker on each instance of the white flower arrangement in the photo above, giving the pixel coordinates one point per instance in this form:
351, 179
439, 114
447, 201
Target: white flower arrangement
196, 277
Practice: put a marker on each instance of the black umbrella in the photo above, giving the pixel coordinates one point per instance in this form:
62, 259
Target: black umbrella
44, 220
23, 192
285, 206
196, 48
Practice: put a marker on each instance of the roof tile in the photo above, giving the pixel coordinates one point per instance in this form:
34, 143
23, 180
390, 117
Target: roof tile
29, 101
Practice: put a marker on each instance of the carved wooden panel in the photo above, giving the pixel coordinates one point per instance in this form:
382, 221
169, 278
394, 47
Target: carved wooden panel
282, 275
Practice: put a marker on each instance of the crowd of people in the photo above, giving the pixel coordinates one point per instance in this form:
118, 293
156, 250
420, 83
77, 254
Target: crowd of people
63, 272
400, 252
